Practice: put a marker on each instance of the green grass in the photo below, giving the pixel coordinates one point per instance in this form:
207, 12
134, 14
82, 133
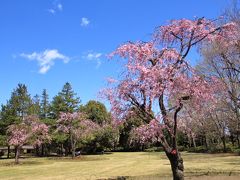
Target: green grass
134, 165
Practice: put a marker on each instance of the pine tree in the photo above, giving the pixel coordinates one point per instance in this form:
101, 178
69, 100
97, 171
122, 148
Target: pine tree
20, 102
45, 106
35, 107
65, 101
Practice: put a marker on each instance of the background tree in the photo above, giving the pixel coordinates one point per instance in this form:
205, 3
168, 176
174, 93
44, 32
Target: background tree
65, 101
20, 101
131, 121
45, 105
30, 131
73, 124
35, 105
16, 109
96, 111
221, 60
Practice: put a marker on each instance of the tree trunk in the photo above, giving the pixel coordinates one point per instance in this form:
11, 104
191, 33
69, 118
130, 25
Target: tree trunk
72, 146
17, 154
37, 150
232, 139
224, 144
238, 141
8, 153
194, 142
176, 165
223, 138
189, 141
62, 150
42, 150
206, 142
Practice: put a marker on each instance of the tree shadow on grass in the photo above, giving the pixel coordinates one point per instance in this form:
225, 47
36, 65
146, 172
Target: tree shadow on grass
21, 163
78, 159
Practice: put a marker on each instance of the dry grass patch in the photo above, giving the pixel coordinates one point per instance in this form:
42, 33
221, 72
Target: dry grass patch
134, 165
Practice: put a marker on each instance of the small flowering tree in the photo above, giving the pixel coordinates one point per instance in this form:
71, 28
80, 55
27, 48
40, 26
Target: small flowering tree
157, 72
30, 131
76, 126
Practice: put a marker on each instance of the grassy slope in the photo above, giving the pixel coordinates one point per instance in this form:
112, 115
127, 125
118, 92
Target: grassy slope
140, 165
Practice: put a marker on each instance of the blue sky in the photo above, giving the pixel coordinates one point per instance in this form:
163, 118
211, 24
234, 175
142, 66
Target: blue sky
45, 43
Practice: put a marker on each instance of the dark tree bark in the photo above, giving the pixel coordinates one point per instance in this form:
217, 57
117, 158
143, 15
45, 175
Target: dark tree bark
223, 138
232, 139
18, 148
194, 142
8, 153
42, 150
176, 165
72, 145
62, 150
238, 141
206, 142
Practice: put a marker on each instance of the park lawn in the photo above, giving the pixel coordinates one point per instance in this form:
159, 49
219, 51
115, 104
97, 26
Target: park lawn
134, 165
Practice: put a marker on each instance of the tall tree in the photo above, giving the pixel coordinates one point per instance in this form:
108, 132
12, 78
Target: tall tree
157, 72
17, 107
20, 101
65, 101
35, 107
221, 59
44, 104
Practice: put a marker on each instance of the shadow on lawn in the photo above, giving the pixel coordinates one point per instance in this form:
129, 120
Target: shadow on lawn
24, 163
157, 177
79, 158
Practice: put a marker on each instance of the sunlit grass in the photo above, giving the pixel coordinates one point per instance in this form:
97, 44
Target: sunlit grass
134, 165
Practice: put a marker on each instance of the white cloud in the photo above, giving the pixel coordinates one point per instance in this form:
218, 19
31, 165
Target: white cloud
46, 59
52, 11
85, 21
94, 57
59, 6
56, 6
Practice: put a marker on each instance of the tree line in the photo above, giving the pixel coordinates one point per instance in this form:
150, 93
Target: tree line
37, 121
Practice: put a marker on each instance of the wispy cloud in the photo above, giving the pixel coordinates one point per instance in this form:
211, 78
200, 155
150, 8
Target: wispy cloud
60, 6
56, 6
46, 59
52, 11
85, 21
93, 56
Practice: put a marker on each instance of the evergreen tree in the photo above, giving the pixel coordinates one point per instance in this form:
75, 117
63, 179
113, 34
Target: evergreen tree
65, 101
45, 106
35, 107
19, 105
15, 110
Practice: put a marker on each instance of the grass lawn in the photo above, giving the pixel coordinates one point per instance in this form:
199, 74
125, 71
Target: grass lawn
134, 165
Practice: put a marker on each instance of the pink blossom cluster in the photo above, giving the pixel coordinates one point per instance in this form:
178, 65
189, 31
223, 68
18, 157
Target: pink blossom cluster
146, 133
77, 125
180, 31
229, 36
40, 132
67, 121
30, 131
152, 71
18, 135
